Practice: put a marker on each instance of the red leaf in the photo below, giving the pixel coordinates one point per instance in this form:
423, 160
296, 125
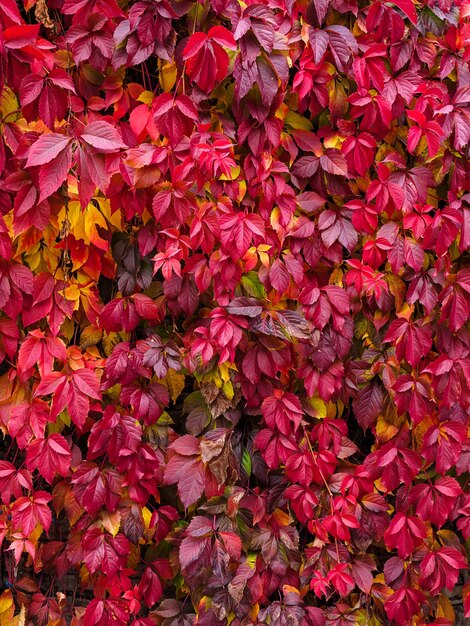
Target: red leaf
334, 162
282, 411
50, 456
206, 60
41, 350
86, 382
27, 513
46, 149
408, 9
13, 481
94, 489
94, 612
102, 136
319, 41
54, 174
405, 533
404, 603
441, 569
28, 420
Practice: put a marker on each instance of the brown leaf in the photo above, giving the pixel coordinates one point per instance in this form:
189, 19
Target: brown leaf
41, 13
216, 453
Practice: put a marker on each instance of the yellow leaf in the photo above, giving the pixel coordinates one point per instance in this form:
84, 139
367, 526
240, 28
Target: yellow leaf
254, 612
335, 409
228, 390
364, 618
68, 328
114, 392
445, 608
11, 394
94, 218
147, 516
63, 419
282, 111
175, 382
20, 619
39, 259
318, 406
290, 589
338, 103
72, 293
406, 311
167, 75
114, 218
110, 340
84, 575
64, 59
111, 522
6, 602
224, 369
297, 121
334, 141
7, 608
234, 174
83, 223
90, 336
420, 430
134, 559
146, 97
382, 152
389, 422
69, 215
397, 288
37, 532
447, 538
204, 604
283, 518
387, 426
336, 277
9, 104
241, 190
6, 387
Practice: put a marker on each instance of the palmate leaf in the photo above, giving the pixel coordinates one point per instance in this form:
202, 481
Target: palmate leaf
206, 60
50, 456
185, 469
27, 513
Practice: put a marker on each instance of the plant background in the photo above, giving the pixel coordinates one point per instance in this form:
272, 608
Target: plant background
234, 294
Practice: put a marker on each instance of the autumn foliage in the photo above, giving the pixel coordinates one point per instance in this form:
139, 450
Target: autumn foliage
235, 298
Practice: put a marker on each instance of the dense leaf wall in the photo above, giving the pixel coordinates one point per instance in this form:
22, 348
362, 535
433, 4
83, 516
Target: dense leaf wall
235, 295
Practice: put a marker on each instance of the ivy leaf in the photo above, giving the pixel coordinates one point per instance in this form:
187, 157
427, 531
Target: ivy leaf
28, 420
28, 512
13, 481
405, 533
440, 568
41, 350
50, 456
94, 489
206, 60
46, 149
282, 411
102, 136
186, 469
408, 9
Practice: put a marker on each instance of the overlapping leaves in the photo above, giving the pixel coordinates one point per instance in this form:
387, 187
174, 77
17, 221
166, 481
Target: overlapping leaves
234, 328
